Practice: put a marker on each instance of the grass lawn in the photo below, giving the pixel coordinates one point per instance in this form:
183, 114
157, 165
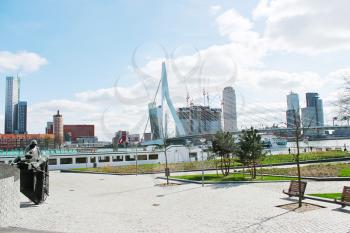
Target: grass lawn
211, 164
284, 158
327, 195
344, 172
232, 177
316, 170
147, 168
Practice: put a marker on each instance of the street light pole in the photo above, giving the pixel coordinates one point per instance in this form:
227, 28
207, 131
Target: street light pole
202, 141
136, 159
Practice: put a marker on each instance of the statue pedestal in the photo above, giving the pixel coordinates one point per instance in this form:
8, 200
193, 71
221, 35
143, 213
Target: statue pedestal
9, 195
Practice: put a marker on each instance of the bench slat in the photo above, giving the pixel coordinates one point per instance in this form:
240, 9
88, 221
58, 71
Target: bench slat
294, 188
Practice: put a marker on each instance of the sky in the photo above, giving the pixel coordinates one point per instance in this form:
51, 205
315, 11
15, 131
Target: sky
99, 62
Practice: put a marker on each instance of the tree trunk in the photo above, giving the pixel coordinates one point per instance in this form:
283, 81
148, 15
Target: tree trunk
221, 165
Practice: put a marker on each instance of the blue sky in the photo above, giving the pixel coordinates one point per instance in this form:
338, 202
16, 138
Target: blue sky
87, 45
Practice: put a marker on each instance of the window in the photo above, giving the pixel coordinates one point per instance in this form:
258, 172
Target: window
128, 158
66, 161
103, 159
117, 158
81, 160
52, 161
194, 155
141, 157
92, 159
153, 156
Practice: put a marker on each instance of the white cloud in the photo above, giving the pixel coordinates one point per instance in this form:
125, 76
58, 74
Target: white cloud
20, 62
311, 26
238, 63
238, 29
215, 9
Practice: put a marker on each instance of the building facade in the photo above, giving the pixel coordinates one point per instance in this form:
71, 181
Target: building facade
156, 120
308, 117
312, 114
198, 119
229, 109
11, 100
58, 129
21, 108
49, 127
87, 140
20, 141
78, 131
293, 110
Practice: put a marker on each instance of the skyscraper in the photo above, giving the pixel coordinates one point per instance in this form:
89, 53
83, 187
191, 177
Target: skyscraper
156, 121
11, 100
21, 109
58, 129
308, 117
293, 110
229, 109
313, 113
311, 99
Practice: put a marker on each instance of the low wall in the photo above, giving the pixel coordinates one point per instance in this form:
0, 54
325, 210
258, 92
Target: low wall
9, 194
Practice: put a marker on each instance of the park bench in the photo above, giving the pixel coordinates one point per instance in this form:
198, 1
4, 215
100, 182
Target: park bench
294, 188
345, 197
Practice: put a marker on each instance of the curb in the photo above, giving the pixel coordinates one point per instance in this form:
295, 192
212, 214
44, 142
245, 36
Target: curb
222, 182
106, 173
313, 178
320, 199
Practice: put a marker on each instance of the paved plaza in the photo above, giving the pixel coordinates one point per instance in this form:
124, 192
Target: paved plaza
109, 203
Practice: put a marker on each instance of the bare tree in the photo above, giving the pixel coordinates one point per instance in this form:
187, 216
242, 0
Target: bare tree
344, 102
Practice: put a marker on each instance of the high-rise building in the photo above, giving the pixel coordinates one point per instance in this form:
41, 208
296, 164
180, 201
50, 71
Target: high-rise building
319, 112
229, 109
308, 117
11, 100
293, 110
313, 113
58, 129
21, 109
293, 102
147, 137
49, 127
311, 99
121, 138
200, 119
156, 120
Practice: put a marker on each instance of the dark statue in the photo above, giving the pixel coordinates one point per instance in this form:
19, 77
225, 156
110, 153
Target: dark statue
34, 173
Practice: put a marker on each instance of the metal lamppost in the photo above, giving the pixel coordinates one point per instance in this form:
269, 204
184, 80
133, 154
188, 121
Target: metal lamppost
136, 158
202, 141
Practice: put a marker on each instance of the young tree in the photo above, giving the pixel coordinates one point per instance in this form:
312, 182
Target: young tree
251, 149
224, 146
344, 102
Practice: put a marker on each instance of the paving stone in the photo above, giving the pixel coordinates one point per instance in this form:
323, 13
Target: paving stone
125, 204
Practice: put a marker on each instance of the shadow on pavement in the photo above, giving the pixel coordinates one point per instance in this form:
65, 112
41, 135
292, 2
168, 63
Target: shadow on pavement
227, 185
22, 230
27, 204
258, 225
124, 191
180, 191
347, 211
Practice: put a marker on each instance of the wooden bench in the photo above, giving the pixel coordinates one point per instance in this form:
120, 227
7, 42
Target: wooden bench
294, 188
345, 197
